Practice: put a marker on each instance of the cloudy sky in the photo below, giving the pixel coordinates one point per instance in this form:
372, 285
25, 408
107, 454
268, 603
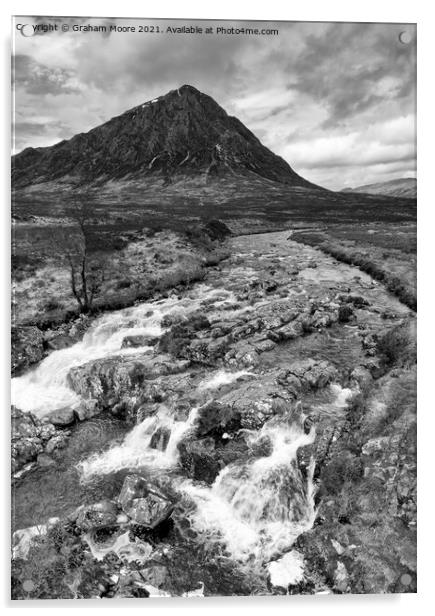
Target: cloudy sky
337, 101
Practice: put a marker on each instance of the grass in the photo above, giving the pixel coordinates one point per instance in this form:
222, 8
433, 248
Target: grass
149, 261
387, 259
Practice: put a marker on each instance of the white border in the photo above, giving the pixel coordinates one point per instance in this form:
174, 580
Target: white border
331, 10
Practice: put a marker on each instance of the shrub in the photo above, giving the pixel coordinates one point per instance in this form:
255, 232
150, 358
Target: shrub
123, 284
345, 313
396, 346
53, 304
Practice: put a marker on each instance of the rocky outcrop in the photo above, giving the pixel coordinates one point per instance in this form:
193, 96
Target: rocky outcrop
27, 347
31, 437
112, 380
364, 539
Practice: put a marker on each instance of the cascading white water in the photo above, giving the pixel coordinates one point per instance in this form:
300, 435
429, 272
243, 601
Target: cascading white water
136, 450
258, 509
222, 377
46, 387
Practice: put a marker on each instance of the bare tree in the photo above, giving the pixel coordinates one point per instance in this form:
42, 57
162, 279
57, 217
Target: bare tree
78, 245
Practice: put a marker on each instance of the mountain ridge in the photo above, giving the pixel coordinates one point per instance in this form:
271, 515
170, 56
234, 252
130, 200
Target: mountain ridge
180, 134
401, 187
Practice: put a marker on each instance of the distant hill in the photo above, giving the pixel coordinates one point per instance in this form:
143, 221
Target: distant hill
405, 187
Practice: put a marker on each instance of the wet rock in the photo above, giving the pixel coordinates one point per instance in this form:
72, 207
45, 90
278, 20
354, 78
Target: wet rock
156, 575
138, 341
143, 503
345, 314
58, 441
264, 345
215, 418
45, 460
341, 577
27, 347
29, 437
198, 459
98, 515
242, 355
59, 342
362, 376
86, 410
272, 322
261, 447
107, 380
309, 373
289, 331
61, 418
23, 538
160, 438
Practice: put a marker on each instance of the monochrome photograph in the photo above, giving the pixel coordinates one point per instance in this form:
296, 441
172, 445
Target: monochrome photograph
213, 318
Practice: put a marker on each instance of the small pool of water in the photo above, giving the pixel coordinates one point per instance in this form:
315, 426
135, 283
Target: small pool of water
56, 490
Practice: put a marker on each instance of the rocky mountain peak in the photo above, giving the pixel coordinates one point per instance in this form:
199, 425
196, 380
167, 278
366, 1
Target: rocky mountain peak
182, 133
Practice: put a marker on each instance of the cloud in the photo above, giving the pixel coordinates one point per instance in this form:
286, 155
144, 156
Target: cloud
37, 78
326, 97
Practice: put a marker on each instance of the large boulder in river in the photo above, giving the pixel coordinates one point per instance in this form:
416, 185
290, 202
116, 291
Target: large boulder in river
61, 418
143, 503
215, 418
199, 460
27, 347
107, 380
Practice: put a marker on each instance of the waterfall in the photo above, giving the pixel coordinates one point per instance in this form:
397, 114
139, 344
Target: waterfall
137, 449
45, 388
258, 509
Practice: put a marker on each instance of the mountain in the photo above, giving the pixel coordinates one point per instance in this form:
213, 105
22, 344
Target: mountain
183, 134
405, 187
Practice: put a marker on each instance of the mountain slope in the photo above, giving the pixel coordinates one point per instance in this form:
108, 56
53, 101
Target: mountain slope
182, 134
404, 187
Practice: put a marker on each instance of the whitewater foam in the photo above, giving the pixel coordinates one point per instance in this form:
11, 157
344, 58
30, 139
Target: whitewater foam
136, 451
46, 387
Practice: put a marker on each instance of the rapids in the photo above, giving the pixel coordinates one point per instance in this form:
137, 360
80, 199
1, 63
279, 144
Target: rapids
46, 388
256, 507
136, 450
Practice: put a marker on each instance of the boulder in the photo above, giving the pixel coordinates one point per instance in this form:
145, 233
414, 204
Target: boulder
345, 313
107, 380
61, 341
61, 417
45, 460
58, 441
198, 459
156, 575
160, 438
143, 503
288, 332
98, 515
138, 341
214, 419
307, 374
86, 409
